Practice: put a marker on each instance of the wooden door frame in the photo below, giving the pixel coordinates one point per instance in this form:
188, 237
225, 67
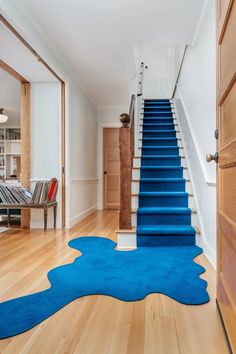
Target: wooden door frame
103, 167
63, 106
221, 25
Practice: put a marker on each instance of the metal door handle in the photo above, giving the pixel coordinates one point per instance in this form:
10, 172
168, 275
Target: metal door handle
210, 157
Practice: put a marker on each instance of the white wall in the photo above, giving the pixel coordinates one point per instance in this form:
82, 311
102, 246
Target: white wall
81, 127
45, 140
197, 113
163, 63
110, 114
82, 154
10, 91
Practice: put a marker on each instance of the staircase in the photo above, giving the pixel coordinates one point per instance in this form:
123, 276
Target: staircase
163, 213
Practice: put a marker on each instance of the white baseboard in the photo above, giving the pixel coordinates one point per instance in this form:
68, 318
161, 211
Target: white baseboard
209, 252
77, 218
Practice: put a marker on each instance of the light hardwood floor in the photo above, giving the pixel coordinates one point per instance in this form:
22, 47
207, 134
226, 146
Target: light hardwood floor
101, 324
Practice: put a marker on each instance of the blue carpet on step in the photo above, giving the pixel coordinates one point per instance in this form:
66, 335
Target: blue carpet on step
163, 215
101, 270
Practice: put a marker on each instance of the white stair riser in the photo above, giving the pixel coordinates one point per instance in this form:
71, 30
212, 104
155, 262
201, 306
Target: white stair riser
126, 241
135, 187
136, 162
134, 219
134, 202
136, 174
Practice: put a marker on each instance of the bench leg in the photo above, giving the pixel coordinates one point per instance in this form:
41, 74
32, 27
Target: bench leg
45, 211
8, 218
55, 217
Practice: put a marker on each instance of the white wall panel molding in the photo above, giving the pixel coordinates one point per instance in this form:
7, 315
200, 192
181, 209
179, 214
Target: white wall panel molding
84, 180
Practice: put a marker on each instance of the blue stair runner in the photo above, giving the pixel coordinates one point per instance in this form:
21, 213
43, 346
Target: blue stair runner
163, 216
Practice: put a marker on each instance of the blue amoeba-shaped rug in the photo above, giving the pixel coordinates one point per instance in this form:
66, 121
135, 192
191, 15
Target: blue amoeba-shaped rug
101, 270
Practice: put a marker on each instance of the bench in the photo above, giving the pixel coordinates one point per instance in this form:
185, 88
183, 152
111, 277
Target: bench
42, 198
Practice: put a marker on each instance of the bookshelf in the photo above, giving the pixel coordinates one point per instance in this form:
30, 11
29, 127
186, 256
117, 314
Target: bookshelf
10, 152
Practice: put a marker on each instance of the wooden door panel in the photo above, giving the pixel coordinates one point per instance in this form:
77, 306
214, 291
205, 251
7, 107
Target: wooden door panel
113, 154
227, 50
227, 155
112, 183
112, 168
226, 272
227, 118
226, 310
228, 193
229, 266
223, 11
112, 136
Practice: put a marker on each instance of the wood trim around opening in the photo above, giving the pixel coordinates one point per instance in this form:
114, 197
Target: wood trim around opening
25, 147
63, 179
28, 46
12, 72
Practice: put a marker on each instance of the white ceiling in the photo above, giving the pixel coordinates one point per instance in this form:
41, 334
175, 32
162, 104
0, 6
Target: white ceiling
96, 38
18, 57
10, 91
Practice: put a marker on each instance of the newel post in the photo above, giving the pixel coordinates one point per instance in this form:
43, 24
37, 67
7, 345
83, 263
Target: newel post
125, 172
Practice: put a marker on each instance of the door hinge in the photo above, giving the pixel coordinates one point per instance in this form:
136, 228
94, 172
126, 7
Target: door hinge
63, 170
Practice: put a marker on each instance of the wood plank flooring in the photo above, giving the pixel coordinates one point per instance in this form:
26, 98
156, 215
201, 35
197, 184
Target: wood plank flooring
101, 324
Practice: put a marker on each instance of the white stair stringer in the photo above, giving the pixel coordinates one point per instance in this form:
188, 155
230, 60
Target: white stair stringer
189, 188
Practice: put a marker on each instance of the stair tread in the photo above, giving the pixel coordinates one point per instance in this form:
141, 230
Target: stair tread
157, 118
160, 156
161, 167
153, 179
158, 124
166, 229
159, 131
164, 194
160, 147
164, 210
160, 138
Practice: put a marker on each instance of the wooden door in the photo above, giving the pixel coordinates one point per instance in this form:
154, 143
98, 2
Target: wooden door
226, 104
111, 165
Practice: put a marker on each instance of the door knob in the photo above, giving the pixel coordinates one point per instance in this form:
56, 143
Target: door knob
105, 172
210, 157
